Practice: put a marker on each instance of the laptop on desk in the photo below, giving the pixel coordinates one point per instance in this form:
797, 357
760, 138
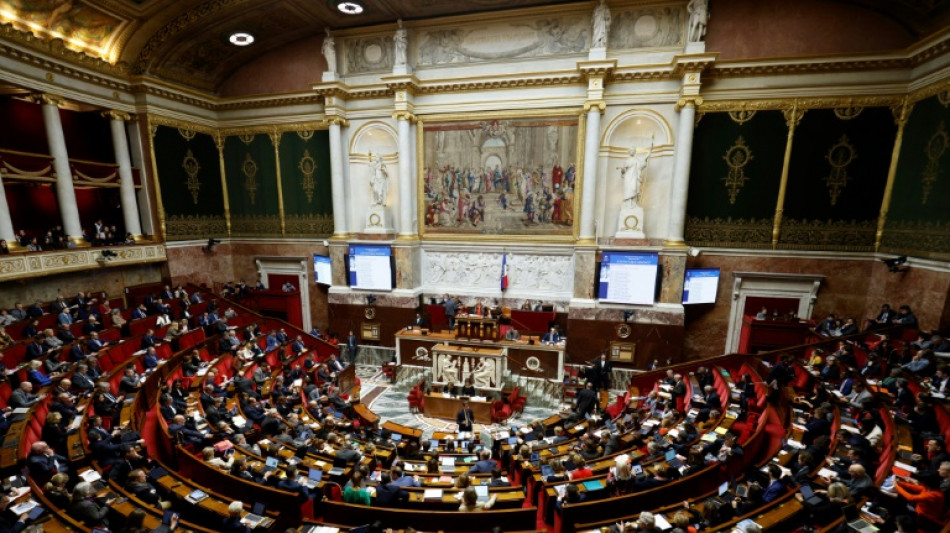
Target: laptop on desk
255, 517
270, 464
482, 492
808, 495
637, 471
855, 522
313, 478
672, 460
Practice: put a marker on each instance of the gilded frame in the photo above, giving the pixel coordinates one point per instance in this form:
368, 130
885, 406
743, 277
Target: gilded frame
503, 119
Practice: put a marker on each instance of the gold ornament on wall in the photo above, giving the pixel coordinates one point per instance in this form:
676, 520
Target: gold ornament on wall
741, 116
848, 112
187, 134
307, 167
936, 147
191, 166
839, 156
249, 169
246, 139
305, 135
944, 98
736, 157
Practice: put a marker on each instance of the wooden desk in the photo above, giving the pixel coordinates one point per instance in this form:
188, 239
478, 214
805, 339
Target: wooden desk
476, 327
447, 407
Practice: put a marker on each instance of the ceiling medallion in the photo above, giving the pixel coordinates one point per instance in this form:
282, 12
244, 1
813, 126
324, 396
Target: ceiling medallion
241, 38
350, 7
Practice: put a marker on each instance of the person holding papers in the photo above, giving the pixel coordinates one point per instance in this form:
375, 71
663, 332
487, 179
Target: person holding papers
465, 417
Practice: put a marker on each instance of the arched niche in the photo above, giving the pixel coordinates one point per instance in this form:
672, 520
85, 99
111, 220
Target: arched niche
374, 137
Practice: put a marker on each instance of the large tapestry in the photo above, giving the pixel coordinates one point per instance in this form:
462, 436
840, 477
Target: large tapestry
496, 176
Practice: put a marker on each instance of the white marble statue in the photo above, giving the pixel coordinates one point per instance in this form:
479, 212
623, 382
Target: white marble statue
632, 174
601, 22
329, 51
379, 180
698, 17
484, 373
449, 370
400, 41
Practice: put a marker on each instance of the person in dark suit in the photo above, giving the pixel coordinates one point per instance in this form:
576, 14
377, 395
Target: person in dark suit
388, 494
586, 401
600, 372
776, 486
23, 396
138, 485
496, 480
149, 339
81, 381
43, 462
551, 337
86, 509
34, 350
290, 484
186, 434
465, 417
816, 426
484, 463
232, 524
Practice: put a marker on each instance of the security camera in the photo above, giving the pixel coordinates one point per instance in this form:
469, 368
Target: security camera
212, 242
894, 265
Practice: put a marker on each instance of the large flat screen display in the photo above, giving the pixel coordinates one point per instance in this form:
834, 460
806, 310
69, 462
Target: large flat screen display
700, 285
370, 267
628, 277
321, 269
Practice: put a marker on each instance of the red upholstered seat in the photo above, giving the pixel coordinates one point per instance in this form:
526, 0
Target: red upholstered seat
500, 411
616, 408
516, 401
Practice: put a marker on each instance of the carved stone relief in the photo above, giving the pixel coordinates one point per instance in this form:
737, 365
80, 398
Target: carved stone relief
550, 276
543, 37
647, 27
369, 54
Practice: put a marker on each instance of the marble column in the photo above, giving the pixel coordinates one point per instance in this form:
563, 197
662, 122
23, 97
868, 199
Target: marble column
65, 193
405, 175
336, 178
6, 223
591, 149
120, 144
681, 163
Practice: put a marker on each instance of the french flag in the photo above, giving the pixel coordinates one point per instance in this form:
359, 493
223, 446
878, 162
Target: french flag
504, 271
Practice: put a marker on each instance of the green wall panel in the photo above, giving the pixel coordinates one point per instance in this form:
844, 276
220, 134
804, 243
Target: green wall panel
734, 179
305, 178
251, 169
190, 180
837, 174
918, 220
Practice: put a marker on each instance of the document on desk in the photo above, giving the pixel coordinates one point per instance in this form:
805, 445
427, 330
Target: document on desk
90, 476
828, 473
432, 494
661, 522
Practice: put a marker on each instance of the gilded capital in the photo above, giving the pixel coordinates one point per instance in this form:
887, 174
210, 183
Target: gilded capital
686, 101
49, 99
117, 115
902, 112
405, 115
336, 121
599, 104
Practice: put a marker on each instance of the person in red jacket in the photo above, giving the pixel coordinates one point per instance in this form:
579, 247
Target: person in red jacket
926, 497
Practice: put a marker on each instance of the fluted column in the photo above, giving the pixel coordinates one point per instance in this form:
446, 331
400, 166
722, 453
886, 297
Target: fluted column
65, 194
685, 127
588, 190
120, 145
406, 229
6, 223
336, 178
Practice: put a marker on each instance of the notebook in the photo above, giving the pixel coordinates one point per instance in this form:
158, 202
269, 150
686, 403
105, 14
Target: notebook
809, 496
313, 478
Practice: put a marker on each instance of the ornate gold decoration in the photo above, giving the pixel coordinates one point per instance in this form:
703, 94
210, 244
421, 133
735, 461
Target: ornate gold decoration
936, 147
631, 223
728, 232
308, 225
20, 266
249, 169
188, 227
247, 138
901, 114
741, 116
944, 98
117, 115
623, 331
848, 112
191, 166
305, 135
255, 226
307, 167
736, 157
187, 134
930, 239
838, 235
839, 156
369, 313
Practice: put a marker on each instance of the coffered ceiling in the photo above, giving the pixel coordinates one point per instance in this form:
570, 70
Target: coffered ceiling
187, 40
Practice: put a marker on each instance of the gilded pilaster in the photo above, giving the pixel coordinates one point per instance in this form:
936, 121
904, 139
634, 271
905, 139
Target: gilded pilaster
219, 142
792, 117
159, 206
901, 114
275, 139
